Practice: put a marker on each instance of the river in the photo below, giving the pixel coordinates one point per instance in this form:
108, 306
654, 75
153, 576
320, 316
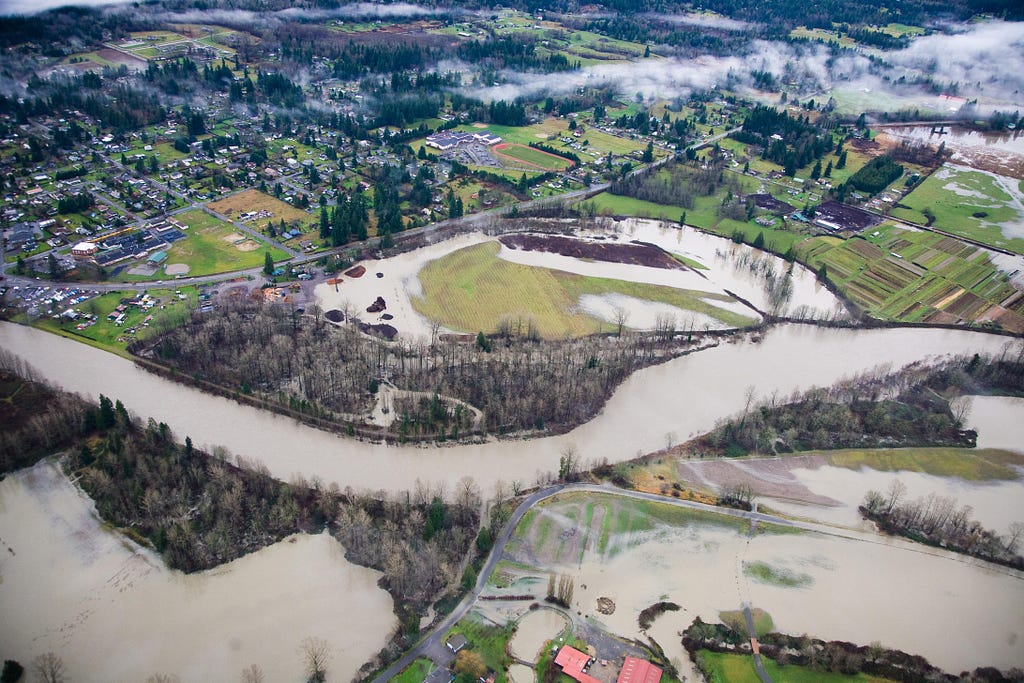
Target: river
655, 406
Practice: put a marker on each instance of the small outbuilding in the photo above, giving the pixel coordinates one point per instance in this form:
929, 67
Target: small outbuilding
457, 642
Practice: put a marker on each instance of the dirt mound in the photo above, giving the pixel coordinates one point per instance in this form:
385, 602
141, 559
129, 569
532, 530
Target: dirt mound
637, 254
377, 306
386, 331
358, 271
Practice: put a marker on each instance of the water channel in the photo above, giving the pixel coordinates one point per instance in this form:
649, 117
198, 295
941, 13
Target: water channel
655, 406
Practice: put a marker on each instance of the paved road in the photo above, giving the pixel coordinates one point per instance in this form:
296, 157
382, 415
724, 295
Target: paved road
758, 664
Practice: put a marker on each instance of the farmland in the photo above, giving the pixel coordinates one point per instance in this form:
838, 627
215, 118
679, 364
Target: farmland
733, 668
897, 274
472, 289
973, 204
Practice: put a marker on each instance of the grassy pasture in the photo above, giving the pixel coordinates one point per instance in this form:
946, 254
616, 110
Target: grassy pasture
776, 576
213, 246
533, 157
967, 203
735, 620
986, 464
730, 668
472, 289
254, 200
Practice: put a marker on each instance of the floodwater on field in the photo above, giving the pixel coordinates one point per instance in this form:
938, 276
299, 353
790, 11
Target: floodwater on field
734, 268
995, 505
999, 153
519, 673
956, 613
113, 612
999, 421
535, 629
680, 398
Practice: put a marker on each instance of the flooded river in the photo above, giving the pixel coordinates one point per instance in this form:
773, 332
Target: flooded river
113, 612
669, 402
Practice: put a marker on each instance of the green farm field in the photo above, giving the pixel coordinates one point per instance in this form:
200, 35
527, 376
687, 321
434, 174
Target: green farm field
972, 204
473, 290
730, 668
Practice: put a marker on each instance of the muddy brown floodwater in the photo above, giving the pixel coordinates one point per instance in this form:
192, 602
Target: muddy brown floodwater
665, 403
113, 612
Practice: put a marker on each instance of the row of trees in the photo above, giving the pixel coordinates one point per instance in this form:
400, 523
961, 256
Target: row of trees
938, 520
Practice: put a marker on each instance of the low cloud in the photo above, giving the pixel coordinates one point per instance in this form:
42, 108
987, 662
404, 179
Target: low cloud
26, 7
703, 20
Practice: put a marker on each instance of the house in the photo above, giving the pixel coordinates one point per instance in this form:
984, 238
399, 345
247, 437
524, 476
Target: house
574, 664
639, 671
457, 642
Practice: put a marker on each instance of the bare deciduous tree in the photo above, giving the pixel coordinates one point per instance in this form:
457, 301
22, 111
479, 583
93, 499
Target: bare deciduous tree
49, 668
253, 674
316, 652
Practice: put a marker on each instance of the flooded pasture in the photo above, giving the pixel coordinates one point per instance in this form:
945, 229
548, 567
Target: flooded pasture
1000, 153
536, 628
113, 612
725, 269
957, 613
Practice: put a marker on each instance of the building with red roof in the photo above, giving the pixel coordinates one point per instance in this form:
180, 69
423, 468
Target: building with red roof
639, 671
573, 662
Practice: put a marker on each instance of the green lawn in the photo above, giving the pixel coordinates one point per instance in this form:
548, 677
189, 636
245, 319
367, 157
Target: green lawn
488, 641
730, 668
209, 247
968, 203
473, 290
415, 672
534, 157
735, 620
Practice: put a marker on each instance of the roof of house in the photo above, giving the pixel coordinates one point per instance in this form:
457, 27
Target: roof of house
457, 642
572, 662
639, 671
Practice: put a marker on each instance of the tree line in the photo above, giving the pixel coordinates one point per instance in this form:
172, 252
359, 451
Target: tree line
938, 520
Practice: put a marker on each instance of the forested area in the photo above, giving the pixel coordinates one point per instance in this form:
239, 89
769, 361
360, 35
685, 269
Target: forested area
677, 184
940, 521
876, 409
876, 175
790, 142
307, 365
